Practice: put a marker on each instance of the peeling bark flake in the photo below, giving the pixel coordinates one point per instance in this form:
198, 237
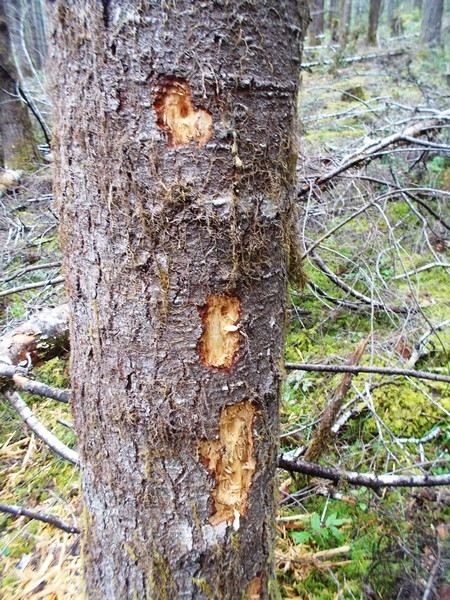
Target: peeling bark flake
176, 115
219, 342
231, 462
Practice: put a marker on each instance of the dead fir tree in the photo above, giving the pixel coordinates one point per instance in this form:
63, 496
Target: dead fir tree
175, 167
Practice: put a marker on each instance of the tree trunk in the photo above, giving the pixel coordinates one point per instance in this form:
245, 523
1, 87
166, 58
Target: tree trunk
374, 18
15, 125
317, 24
345, 21
333, 19
430, 32
175, 171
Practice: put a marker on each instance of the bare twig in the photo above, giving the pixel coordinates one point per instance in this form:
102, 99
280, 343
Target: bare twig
369, 480
36, 267
29, 514
421, 269
32, 286
428, 592
349, 290
371, 149
32, 386
42, 432
353, 59
363, 369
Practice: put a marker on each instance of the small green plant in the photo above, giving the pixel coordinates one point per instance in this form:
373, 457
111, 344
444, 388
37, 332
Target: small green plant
321, 533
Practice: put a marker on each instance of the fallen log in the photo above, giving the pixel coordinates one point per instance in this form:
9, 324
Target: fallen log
42, 337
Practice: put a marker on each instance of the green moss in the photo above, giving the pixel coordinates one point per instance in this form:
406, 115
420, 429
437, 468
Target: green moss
203, 585
162, 581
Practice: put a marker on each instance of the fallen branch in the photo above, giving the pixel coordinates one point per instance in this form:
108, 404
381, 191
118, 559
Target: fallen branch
29, 514
369, 480
323, 434
42, 432
43, 336
363, 369
421, 269
32, 286
370, 149
32, 386
37, 267
352, 292
353, 59
345, 303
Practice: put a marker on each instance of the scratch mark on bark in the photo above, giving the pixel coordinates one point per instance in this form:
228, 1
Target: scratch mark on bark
231, 462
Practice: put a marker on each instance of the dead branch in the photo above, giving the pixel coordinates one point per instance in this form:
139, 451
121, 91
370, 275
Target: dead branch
369, 480
363, 369
419, 348
43, 336
37, 267
349, 290
42, 432
353, 59
32, 286
421, 269
29, 514
345, 303
369, 150
33, 387
323, 433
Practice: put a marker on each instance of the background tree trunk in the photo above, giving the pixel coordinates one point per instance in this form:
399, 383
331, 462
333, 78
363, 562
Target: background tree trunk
15, 125
345, 21
333, 19
317, 24
175, 170
430, 32
374, 18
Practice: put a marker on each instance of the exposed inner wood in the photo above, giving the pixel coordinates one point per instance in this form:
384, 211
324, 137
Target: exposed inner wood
219, 342
176, 114
254, 588
230, 461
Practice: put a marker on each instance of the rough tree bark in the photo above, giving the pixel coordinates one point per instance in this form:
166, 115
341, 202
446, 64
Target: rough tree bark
430, 32
175, 170
15, 125
374, 19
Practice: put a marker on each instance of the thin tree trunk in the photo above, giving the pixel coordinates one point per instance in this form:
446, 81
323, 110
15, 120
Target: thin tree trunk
317, 24
345, 21
333, 19
374, 18
175, 174
15, 125
430, 32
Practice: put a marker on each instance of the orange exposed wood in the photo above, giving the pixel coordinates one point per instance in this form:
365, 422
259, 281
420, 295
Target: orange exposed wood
230, 461
177, 115
219, 342
254, 589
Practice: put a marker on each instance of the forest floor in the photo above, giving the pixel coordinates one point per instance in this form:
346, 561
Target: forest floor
334, 541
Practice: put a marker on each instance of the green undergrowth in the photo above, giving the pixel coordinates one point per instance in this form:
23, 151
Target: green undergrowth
367, 544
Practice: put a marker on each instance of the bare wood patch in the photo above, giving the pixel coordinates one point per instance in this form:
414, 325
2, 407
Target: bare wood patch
231, 462
219, 343
183, 122
254, 588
